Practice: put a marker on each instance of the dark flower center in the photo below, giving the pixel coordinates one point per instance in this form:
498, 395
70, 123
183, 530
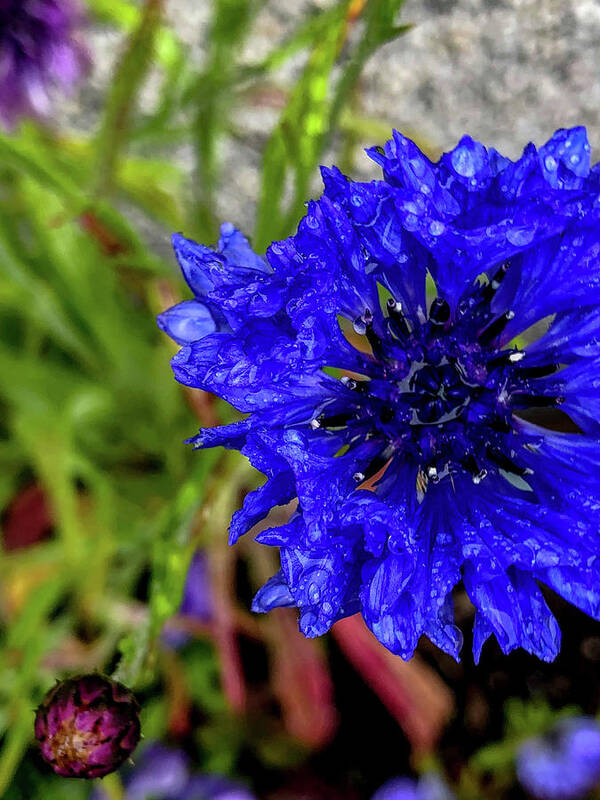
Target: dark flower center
438, 393
70, 745
442, 393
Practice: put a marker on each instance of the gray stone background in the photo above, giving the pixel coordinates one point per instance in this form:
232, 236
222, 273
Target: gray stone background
505, 71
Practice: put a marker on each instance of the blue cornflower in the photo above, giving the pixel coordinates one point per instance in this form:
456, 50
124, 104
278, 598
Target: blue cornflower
429, 787
38, 49
564, 764
402, 422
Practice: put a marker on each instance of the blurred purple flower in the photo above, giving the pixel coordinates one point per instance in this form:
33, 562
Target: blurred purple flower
161, 772
214, 787
38, 49
164, 774
429, 787
564, 764
196, 604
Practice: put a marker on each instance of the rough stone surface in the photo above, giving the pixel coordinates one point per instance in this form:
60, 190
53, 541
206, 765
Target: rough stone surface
505, 71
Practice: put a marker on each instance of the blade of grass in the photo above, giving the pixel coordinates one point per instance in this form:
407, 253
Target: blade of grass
212, 99
313, 111
380, 28
296, 141
128, 16
24, 636
129, 74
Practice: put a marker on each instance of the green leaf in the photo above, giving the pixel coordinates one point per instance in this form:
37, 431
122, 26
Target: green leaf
25, 155
172, 549
29, 637
305, 35
127, 16
295, 144
155, 186
312, 114
497, 757
127, 80
211, 95
379, 28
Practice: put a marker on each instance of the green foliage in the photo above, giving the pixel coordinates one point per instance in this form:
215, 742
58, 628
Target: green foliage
314, 106
211, 93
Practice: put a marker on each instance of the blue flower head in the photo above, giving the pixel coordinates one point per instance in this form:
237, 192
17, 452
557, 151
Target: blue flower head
564, 764
376, 356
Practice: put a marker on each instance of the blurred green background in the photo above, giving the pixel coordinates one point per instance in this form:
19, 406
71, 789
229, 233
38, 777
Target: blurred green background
103, 505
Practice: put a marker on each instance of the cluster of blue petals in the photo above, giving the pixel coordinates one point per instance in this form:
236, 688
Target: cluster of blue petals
564, 764
38, 49
377, 358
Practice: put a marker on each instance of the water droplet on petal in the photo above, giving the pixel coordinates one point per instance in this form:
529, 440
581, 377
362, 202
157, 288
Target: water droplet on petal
308, 620
359, 326
520, 236
314, 593
550, 163
436, 228
418, 167
411, 222
462, 161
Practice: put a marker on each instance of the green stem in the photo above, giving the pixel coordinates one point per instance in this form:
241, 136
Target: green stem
129, 74
15, 745
112, 786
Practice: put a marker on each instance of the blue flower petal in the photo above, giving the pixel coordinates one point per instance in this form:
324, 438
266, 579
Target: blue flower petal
274, 594
187, 322
197, 262
236, 249
572, 335
513, 608
250, 369
565, 158
277, 491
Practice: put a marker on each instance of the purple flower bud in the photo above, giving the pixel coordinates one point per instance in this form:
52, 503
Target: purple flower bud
87, 726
